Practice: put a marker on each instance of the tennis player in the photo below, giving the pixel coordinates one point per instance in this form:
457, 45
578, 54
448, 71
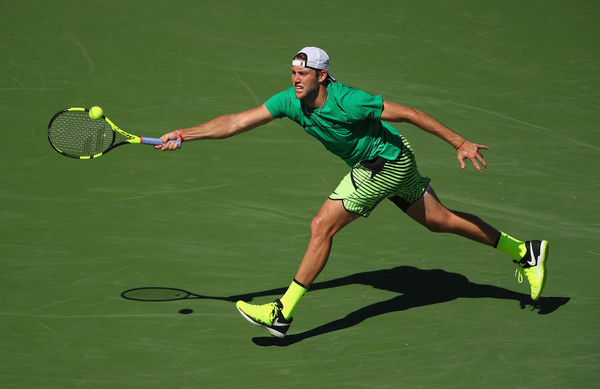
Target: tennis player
352, 124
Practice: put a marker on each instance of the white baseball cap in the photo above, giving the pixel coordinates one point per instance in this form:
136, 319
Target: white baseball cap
316, 59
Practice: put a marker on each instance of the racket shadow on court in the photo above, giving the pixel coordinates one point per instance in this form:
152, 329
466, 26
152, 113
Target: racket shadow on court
415, 288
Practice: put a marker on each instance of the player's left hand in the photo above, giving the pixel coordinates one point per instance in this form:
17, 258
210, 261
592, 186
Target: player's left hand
471, 151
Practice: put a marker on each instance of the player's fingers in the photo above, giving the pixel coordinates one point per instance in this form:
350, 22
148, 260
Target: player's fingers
476, 165
171, 145
480, 159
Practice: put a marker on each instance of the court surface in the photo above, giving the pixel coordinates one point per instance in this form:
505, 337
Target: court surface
397, 306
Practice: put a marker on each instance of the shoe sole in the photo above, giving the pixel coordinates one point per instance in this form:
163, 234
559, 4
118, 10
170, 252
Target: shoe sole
274, 332
541, 268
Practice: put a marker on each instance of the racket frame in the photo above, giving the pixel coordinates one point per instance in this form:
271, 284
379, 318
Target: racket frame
173, 296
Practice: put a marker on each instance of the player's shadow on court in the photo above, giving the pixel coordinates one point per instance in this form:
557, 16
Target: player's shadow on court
417, 288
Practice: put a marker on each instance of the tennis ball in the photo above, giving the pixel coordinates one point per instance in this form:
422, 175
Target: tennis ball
96, 113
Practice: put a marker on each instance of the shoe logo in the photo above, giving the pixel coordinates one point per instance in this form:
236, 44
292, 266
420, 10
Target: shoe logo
276, 323
532, 261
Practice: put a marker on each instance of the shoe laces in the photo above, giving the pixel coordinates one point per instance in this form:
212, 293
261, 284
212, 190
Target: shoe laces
519, 271
274, 312
270, 311
266, 313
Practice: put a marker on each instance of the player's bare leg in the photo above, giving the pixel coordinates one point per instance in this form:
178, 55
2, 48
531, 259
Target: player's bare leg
330, 219
430, 212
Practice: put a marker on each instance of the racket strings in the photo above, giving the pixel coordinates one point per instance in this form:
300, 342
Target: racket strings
75, 133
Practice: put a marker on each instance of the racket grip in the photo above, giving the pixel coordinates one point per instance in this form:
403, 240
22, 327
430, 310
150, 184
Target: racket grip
157, 141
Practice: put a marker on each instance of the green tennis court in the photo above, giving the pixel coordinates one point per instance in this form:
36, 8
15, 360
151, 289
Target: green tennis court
397, 306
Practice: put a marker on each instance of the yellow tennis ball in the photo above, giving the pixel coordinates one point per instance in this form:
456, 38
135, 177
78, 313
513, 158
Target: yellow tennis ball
96, 113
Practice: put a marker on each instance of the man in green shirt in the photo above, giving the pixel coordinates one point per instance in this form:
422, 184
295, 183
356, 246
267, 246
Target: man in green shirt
352, 125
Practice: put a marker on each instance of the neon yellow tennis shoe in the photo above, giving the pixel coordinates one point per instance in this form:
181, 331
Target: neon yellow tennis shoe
268, 316
533, 266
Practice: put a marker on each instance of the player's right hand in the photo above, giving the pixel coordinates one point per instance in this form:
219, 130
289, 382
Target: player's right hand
166, 145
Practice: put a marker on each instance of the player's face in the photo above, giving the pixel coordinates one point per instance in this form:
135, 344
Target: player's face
306, 82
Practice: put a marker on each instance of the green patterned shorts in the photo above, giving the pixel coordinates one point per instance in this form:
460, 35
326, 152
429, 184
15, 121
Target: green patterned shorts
371, 181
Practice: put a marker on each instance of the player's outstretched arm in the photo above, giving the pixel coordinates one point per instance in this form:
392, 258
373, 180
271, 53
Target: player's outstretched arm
393, 112
222, 127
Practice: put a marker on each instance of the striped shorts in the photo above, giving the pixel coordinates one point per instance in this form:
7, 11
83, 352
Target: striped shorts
371, 181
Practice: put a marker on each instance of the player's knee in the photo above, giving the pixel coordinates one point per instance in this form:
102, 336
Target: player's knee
321, 227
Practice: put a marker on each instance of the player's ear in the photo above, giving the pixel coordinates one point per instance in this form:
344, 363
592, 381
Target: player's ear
322, 75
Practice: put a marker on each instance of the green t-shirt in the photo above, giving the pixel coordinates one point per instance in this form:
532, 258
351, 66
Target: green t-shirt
348, 124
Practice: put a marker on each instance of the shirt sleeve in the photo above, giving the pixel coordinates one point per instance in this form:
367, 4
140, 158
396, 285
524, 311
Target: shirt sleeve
279, 105
361, 105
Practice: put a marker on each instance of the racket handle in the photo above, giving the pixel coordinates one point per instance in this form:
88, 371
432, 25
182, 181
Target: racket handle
157, 141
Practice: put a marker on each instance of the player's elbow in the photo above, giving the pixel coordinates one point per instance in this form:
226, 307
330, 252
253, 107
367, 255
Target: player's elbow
233, 125
246, 121
237, 127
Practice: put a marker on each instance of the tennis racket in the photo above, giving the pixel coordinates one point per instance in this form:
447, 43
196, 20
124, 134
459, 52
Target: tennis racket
74, 134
